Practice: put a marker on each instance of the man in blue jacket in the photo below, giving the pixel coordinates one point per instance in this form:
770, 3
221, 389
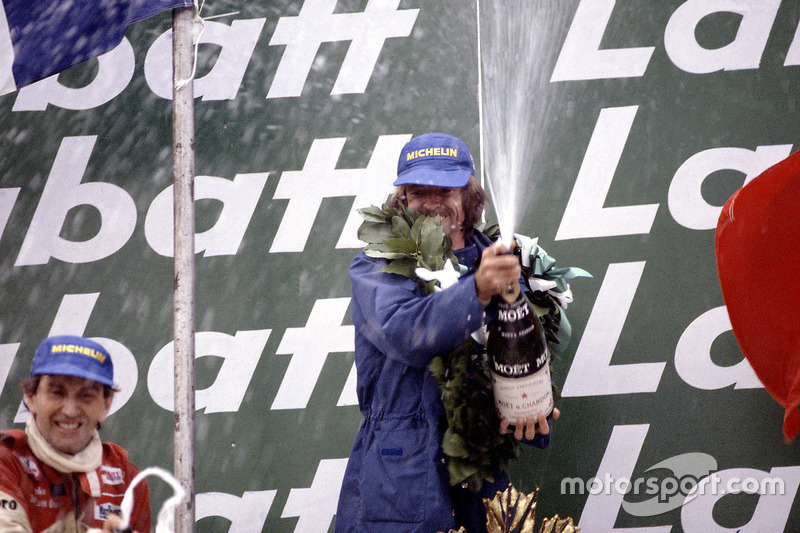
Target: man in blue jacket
396, 478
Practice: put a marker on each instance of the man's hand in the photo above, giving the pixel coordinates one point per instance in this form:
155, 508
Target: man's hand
497, 270
528, 428
113, 523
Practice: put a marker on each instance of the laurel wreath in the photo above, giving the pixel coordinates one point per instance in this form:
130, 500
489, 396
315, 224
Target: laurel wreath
409, 240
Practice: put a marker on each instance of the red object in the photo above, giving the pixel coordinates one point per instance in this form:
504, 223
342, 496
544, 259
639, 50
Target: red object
758, 262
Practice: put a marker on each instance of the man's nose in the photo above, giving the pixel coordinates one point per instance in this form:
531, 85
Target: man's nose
431, 201
70, 407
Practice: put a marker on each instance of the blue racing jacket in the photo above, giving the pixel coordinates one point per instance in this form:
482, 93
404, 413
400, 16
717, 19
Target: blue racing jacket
396, 478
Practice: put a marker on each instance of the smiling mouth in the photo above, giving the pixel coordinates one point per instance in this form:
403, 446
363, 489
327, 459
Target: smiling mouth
64, 425
443, 213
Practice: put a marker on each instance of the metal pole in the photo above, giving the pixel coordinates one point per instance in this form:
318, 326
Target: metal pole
184, 322
482, 177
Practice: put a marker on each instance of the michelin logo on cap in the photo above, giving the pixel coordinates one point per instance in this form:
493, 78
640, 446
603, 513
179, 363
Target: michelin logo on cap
432, 152
84, 350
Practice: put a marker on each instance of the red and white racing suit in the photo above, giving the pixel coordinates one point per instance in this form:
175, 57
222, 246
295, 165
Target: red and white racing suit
35, 496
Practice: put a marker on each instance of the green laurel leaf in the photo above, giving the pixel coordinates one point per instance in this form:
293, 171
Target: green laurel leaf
402, 266
374, 232
400, 227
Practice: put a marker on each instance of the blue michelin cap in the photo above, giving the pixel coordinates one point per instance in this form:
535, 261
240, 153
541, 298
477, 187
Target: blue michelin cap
435, 159
69, 355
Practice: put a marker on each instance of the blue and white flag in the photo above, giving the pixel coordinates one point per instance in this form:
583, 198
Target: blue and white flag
39, 38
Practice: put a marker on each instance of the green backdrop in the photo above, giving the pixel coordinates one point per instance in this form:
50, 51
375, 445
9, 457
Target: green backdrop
648, 116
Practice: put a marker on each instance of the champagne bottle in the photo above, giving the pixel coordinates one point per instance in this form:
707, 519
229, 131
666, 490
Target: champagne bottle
519, 359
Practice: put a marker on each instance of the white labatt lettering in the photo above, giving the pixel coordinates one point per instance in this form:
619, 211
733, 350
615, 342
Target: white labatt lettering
744, 52
65, 190
246, 513
236, 44
309, 347
582, 59
114, 73
579, 59
7, 82
116, 69
317, 23
7, 354
316, 505
585, 216
685, 198
305, 189
693, 355
591, 372
72, 318
62, 192
349, 394
239, 198
622, 452
8, 197
301, 35
793, 55
240, 354
697, 513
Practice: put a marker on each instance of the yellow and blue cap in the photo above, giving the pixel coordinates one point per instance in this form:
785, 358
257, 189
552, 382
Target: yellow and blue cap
70, 355
435, 159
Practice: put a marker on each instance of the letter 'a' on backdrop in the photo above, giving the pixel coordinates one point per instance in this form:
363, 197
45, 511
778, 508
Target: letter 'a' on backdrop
758, 260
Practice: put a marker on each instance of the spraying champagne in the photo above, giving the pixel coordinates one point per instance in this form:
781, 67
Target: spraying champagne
519, 358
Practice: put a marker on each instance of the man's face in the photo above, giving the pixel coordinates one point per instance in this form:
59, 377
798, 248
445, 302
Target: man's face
67, 410
446, 202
